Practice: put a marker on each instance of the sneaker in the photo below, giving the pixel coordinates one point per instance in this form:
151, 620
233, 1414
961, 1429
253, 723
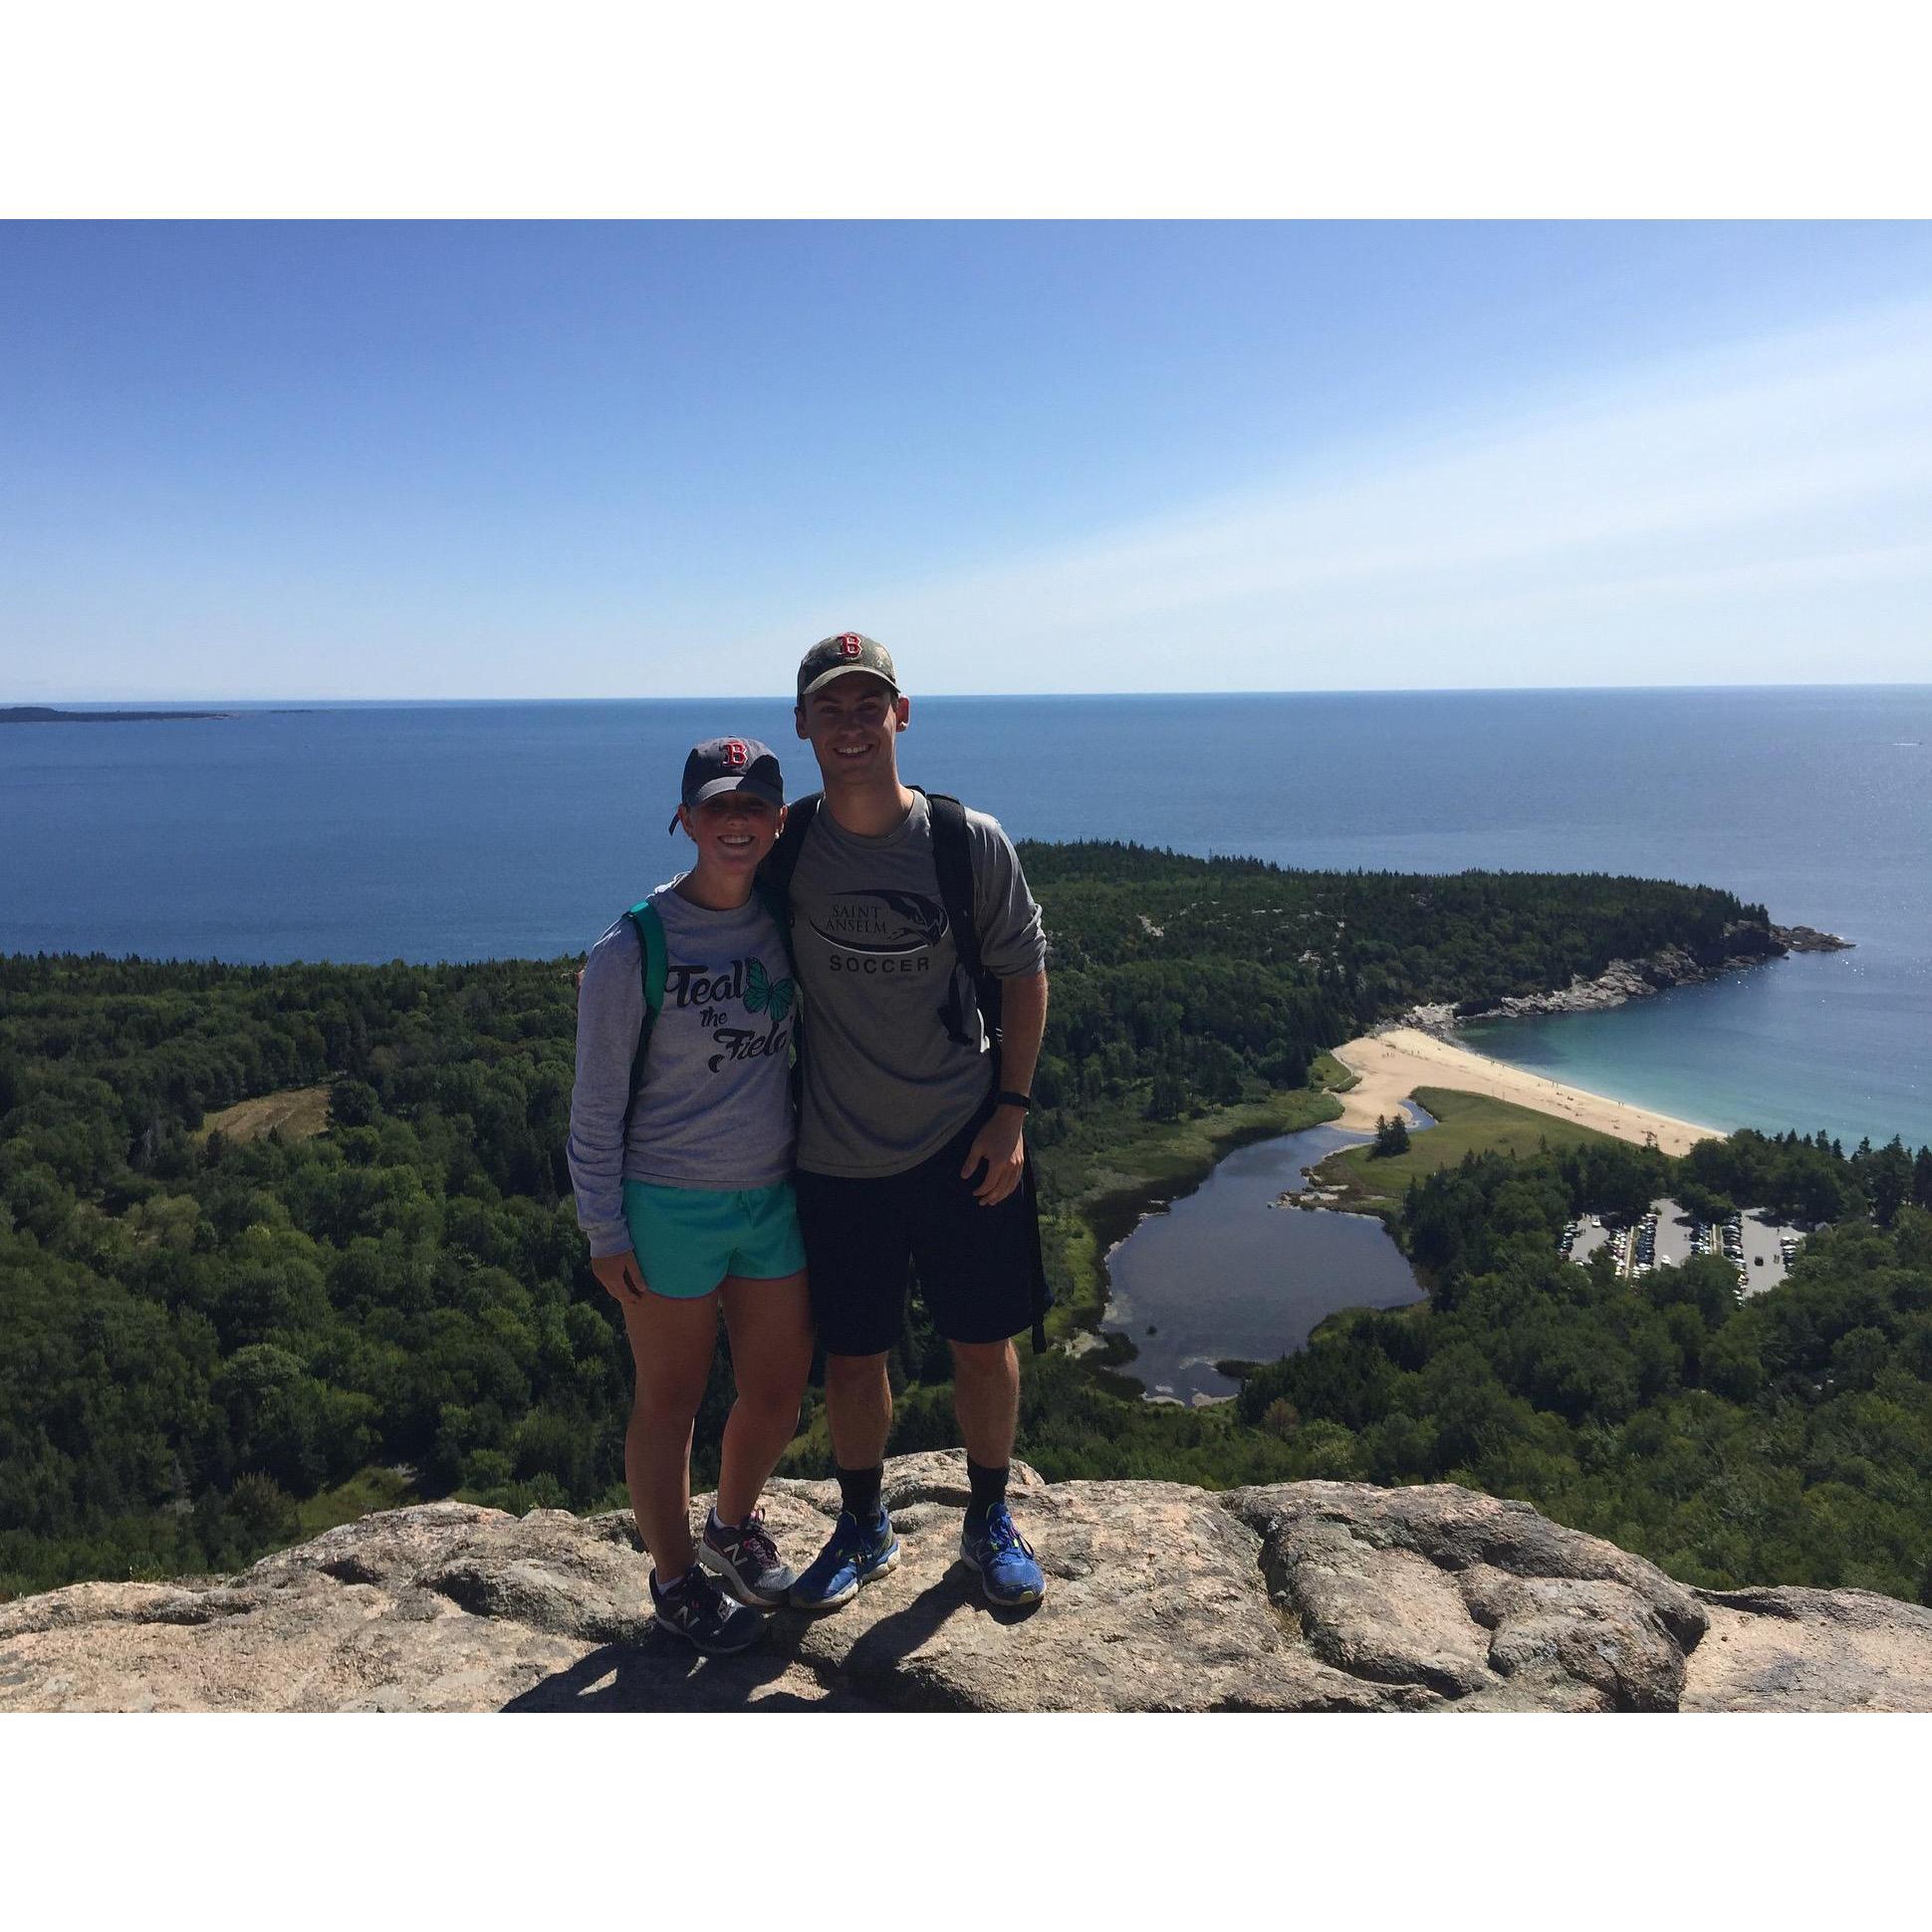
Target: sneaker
697, 1610
1009, 1572
853, 1555
746, 1560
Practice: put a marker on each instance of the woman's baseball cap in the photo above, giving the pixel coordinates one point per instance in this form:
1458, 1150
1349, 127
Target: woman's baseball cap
721, 765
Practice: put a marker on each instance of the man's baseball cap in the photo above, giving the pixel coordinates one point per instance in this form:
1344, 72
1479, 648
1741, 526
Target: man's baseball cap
732, 764
839, 656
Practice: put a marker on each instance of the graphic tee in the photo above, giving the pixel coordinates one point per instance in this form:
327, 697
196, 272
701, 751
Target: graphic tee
884, 1084
715, 1106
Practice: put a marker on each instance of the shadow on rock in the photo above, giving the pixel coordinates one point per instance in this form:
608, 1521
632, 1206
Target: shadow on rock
660, 1672
884, 1661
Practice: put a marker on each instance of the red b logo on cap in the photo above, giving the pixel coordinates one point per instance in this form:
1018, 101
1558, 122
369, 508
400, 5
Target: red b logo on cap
848, 644
735, 754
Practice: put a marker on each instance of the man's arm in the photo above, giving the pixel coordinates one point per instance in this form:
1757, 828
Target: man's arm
1022, 1025
1001, 1142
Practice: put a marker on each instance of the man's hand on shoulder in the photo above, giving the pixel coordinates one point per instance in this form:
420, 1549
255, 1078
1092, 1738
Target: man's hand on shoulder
1001, 1144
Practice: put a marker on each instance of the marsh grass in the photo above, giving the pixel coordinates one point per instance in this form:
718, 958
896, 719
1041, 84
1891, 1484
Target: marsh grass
1466, 1124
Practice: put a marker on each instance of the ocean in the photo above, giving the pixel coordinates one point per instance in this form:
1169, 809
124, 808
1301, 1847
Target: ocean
461, 831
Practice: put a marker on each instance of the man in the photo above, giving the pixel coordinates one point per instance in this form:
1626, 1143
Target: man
907, 1151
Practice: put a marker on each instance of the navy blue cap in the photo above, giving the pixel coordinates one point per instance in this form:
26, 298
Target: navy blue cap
721, 765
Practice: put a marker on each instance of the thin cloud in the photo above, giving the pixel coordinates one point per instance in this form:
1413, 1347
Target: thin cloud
1801, 462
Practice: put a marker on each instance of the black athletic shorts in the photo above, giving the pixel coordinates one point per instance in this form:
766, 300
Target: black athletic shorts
975, 1263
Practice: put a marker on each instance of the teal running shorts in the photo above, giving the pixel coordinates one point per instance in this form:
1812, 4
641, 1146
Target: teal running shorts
688, 1239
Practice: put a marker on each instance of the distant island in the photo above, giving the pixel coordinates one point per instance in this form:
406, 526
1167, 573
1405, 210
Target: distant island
47, 714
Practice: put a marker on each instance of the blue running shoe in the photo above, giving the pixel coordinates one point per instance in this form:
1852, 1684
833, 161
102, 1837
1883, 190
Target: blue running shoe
853, 1554
1009, 1572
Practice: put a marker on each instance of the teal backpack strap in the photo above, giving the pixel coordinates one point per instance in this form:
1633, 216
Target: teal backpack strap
656, 955
653, 963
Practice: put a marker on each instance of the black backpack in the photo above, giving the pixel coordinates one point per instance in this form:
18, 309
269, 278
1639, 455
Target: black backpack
952, 859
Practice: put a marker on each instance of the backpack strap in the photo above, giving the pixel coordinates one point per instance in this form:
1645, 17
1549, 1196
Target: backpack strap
1042, 1289
653, 964
952, 859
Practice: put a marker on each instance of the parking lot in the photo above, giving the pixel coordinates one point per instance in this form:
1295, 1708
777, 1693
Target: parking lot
1764, 1260
1756, 1246
1674, 1232
1590, 1234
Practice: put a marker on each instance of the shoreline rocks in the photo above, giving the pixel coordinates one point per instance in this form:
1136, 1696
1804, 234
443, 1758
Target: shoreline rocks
1632, 979
1295, 1597
1807, 939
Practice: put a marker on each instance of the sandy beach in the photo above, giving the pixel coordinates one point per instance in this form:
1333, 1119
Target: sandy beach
1393, 1065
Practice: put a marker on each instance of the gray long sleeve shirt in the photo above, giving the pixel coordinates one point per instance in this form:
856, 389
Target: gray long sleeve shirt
715, 1107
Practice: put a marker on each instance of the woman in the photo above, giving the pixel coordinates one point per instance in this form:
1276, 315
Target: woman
681, 1141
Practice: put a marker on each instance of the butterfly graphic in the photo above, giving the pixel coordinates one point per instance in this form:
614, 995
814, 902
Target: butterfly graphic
767, 994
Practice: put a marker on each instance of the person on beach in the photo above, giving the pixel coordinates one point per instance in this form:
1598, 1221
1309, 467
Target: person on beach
682, 1134
910, 1147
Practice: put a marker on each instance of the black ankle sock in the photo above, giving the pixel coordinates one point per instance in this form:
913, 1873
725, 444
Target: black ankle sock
989, 1486
858, 1491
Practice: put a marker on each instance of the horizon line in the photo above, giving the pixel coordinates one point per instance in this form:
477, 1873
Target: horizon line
777, 697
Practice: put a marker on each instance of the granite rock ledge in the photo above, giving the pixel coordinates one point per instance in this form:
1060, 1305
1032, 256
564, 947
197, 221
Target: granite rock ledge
1301, 1596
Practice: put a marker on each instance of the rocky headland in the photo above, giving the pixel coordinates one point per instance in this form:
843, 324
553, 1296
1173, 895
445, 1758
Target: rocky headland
1741, 945
1301, 1596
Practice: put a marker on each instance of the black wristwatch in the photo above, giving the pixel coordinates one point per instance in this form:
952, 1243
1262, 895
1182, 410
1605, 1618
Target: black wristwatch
1024, 1101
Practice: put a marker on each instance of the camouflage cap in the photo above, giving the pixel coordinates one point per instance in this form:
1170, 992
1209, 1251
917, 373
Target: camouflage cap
839, 656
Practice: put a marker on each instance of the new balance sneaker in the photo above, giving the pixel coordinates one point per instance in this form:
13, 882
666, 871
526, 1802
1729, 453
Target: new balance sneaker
1009, 1572
697, 1610
854, 1554
745, 1559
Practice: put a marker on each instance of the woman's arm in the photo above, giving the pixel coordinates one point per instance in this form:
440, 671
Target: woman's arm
610, 1014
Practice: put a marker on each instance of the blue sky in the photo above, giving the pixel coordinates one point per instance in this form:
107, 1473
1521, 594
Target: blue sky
504, 460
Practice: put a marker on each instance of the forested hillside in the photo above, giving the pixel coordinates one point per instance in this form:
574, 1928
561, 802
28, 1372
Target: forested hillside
1367, 943
200, 1332
1784, 1438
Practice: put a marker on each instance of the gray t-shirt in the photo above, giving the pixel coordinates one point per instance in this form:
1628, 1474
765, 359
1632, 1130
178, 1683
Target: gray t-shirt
884, 1084
715, 1106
